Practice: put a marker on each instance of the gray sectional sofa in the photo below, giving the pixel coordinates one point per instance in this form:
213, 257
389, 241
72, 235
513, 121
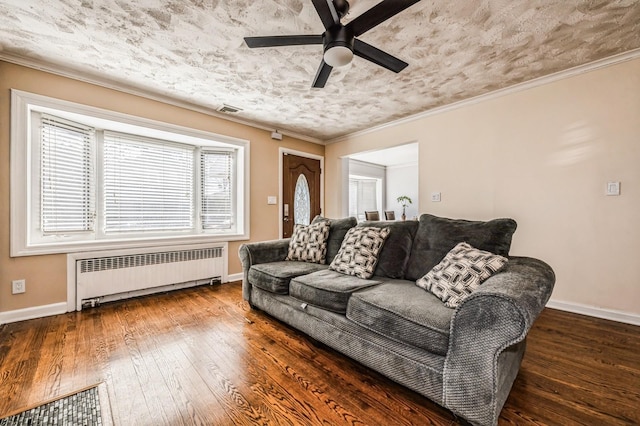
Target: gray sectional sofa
465, 359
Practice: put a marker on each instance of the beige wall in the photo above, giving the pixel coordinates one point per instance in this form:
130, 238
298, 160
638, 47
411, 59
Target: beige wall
542, 156
46, 275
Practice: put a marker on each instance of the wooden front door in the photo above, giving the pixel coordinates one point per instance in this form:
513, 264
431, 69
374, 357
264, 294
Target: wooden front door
300, 191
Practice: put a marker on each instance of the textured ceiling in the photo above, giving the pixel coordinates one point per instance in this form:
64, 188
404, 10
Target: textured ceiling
193, 51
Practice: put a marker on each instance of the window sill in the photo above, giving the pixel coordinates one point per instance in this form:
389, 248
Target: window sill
80, 246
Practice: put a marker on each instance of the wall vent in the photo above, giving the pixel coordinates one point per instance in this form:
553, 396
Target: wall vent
228, 109
146, 259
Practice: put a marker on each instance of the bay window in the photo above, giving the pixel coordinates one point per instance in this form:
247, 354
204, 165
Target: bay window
83, 177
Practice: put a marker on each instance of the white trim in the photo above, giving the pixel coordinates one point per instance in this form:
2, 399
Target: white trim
71, 281
83, 246
593, 311
33, 312
281, 152
147, 94
536, 82
235, 277
20, 171
404, 165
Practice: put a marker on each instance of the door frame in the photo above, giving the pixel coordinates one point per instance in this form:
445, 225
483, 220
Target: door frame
281, 152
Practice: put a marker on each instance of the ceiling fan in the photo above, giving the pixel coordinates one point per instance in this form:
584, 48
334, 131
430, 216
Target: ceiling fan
339, 41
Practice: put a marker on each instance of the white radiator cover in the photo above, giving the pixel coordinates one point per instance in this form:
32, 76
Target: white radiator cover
117, 275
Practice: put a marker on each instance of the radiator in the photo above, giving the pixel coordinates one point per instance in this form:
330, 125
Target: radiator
119, 276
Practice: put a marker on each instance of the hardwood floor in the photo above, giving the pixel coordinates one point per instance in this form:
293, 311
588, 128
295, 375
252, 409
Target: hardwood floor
201, 356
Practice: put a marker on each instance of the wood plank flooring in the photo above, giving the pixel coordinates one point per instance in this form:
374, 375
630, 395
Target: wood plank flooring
200, 356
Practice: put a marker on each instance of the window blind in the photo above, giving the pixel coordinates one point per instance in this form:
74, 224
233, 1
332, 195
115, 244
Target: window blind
148, 184
66, 176
217, 191
362, 196
353, 198
367, 195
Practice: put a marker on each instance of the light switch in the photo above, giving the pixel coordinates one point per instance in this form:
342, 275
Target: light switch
435, 197
613, 188
272, 199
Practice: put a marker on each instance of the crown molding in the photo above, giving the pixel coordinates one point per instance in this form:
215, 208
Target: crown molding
404, 165
148, 94
540, 81
107, 83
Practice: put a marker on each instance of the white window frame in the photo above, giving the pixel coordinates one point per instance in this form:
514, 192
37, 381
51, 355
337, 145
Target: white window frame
24, 165
360, 210
367, 171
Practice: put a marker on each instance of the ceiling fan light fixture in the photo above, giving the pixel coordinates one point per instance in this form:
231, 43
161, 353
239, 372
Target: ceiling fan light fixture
338, 56
339, 40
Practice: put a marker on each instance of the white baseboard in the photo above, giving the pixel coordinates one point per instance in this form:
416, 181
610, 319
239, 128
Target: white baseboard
592, 311
34, 312
235, 277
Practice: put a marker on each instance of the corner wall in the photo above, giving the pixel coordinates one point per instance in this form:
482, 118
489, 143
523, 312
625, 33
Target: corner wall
542, 156
47, 275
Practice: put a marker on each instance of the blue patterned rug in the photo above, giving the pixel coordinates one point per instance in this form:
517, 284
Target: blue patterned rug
89, 407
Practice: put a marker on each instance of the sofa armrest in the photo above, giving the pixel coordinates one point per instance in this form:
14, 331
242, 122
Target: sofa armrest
256, 253
495, 317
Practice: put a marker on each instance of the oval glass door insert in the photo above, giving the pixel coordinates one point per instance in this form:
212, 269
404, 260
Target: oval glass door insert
302, 202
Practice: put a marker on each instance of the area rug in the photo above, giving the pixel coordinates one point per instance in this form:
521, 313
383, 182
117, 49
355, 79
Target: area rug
86, 407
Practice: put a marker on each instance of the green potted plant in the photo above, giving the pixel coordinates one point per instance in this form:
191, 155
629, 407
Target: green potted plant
404, 202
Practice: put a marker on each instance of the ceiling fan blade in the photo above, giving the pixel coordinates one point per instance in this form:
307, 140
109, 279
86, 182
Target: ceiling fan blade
322, 75
327, 12
378, 14
286, 40
377, 56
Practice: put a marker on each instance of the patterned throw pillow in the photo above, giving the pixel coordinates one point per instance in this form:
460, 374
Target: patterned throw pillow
461, 271
358, 253
309, 242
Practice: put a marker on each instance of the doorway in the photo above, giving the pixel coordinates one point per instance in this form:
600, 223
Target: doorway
301, 191
395, 172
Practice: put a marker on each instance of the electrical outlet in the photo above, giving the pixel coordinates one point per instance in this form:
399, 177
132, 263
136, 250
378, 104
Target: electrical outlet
18, 286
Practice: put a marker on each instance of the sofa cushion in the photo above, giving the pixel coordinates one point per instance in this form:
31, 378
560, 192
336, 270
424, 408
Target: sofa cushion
308, 243
403, 312
461, 271
327, 289
393, 259
275, 276
358, 253
437, 235
337, 230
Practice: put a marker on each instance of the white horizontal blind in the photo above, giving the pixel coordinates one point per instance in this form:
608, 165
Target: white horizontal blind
362, 196
148, 184
353, 197
217, 189
66, 176
367, 195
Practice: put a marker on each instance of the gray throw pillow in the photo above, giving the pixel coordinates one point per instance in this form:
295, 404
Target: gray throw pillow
358, 253
394, 256
337, 231
461, 271
309, 242
437, 235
